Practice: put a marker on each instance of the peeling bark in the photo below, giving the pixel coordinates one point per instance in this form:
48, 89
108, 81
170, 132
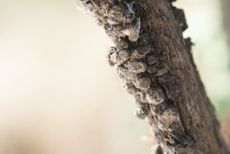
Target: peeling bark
155, 64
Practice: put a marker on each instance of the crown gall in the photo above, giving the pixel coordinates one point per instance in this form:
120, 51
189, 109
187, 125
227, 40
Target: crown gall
141, 52
169, 122
125, 74
158, 70
121, 43
162, 70
143, 109
130, 15
116, 14
118, 56
151, 59
121, 13
142, 83
123, 56
133, 30
115, 30
112, 56
152, 69
140, 97
169, 118
136, 66
89, 5
131, 88
160, 108
142, 64
142, 112
157, 149
145, 39
155, 96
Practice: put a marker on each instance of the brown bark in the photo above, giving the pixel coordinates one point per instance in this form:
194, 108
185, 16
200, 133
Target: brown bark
154, 62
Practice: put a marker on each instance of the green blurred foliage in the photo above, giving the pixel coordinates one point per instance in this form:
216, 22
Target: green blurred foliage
211, 52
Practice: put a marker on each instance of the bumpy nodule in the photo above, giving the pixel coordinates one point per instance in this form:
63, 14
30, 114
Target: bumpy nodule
140, 66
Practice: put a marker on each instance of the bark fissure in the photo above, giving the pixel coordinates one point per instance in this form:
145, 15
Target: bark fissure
155, 64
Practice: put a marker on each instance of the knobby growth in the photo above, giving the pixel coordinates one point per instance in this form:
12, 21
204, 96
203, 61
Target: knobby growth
148, 56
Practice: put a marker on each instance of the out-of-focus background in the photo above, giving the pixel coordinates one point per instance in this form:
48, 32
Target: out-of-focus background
58, 95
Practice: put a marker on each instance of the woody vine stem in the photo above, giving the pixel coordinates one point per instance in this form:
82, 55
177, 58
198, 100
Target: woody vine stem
155, 65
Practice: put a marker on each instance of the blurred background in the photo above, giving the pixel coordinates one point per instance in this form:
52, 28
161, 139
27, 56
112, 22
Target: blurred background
58, 95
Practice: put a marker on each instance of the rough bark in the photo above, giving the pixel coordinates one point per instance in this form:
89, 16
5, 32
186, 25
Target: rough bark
155, 64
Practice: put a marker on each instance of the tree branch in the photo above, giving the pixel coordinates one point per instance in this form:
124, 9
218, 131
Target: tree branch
155, 64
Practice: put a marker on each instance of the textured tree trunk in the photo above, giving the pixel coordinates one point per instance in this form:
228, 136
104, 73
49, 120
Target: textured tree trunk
155, 64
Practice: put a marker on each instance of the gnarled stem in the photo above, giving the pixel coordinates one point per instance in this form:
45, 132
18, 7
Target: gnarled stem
155, 64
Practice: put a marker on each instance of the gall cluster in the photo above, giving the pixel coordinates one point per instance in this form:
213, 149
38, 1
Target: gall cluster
141, 66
